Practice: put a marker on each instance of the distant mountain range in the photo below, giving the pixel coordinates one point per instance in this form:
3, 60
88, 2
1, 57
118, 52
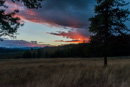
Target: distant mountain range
15, 49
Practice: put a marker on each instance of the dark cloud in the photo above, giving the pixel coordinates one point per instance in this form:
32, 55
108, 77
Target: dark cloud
65, 13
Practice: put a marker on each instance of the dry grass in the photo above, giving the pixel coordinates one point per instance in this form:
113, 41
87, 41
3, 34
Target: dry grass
64, 73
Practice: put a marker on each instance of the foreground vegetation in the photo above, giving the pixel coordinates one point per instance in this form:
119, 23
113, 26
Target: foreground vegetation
65, 72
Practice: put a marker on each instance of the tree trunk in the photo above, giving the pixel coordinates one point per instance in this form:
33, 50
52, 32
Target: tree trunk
106, 33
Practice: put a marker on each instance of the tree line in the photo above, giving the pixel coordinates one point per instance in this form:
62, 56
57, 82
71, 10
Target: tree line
84, 50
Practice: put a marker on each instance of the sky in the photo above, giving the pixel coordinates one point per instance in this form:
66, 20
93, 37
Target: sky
58, 22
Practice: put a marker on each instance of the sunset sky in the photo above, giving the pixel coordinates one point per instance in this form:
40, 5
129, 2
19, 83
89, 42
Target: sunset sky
57, 22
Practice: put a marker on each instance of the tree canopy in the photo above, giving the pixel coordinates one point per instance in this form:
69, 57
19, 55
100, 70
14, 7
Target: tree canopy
109, 19
9, 23
109, 23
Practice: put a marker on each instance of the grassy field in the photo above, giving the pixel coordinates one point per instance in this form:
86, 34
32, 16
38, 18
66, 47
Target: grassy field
65, 72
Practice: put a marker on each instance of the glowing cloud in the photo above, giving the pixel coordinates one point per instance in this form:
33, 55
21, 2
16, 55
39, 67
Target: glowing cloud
76, 36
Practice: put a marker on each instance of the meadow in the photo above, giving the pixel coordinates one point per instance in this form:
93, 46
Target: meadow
67, 72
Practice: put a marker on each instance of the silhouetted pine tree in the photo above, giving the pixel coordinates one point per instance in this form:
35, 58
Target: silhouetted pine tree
107, 23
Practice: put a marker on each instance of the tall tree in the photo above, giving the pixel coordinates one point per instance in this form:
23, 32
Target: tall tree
9, 23
108, 22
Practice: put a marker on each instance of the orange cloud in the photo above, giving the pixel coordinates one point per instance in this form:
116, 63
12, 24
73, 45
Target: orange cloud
73, 41
77, 37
